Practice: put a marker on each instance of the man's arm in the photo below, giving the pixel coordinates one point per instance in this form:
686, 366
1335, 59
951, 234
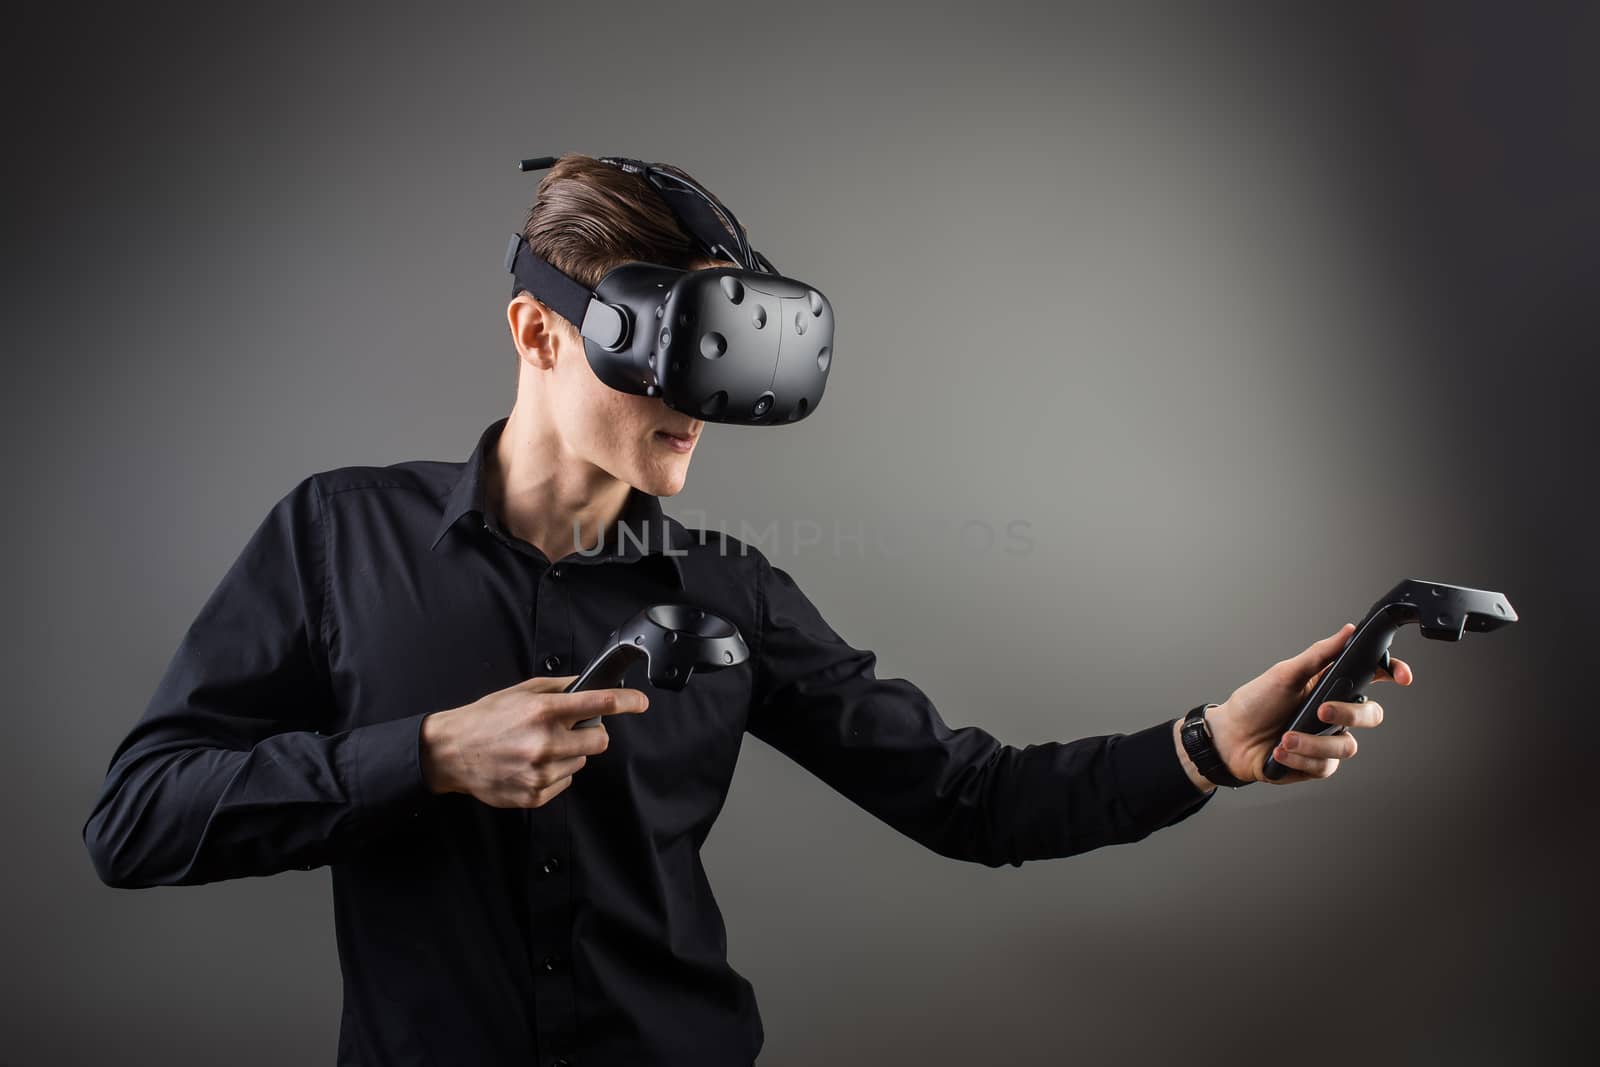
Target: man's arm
229, 772
961, 793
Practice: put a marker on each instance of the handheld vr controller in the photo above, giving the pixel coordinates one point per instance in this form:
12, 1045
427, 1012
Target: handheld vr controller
1441, 611
674, 640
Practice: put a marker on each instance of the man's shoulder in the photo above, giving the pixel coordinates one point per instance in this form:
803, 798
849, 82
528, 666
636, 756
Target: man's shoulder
711, 556
431, 478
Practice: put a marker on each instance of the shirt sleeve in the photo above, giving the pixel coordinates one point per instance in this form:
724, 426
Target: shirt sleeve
230, 772
960, 792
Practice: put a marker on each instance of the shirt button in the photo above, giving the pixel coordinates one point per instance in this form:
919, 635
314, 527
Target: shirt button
552, 662
552, 864
551, 964
555, 571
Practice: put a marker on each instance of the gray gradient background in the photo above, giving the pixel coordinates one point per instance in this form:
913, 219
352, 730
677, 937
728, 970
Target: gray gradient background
1246, 313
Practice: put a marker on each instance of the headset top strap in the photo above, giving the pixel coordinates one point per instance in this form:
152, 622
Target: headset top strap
706, 218
709, 221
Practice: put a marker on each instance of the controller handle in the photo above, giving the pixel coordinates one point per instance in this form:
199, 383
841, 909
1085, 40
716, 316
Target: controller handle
674, 640
1441, 611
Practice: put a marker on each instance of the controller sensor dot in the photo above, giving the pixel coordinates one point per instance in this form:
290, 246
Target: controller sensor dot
800, 322
732, 289
714, 404
759, 316
713, 345
824, 357
816, 302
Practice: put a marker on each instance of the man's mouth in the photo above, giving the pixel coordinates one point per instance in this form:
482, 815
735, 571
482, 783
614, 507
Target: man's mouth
678, 442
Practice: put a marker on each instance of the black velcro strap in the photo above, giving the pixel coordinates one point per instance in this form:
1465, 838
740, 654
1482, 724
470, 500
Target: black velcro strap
548, 285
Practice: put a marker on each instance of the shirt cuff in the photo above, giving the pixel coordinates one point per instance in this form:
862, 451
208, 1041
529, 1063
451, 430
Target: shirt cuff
1153, 787
388, 768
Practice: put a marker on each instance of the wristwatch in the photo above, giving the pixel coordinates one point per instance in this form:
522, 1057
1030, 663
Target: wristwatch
1198, 743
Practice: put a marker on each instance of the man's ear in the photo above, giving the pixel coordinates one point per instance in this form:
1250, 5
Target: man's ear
536, 331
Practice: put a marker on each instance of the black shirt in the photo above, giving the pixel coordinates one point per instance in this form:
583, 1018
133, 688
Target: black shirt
285, 734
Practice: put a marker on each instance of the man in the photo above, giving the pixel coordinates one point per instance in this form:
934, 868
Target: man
376, 685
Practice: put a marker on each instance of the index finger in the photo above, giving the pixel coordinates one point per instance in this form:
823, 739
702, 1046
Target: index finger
1399, 672
1319, 656
591, 702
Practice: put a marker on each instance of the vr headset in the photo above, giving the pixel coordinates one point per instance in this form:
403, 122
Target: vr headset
727, 344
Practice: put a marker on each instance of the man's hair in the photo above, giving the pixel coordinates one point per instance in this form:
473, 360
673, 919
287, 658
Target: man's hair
588, 217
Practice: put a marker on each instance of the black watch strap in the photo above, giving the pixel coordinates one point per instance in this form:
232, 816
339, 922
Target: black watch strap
1197, 742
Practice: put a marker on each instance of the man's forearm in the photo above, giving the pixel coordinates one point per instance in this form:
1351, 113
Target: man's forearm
182, 811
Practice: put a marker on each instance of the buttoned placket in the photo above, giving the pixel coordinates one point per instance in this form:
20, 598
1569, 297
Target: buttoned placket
550, 875
550, 864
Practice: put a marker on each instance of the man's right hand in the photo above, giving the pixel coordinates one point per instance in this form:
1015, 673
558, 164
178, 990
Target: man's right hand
516, 748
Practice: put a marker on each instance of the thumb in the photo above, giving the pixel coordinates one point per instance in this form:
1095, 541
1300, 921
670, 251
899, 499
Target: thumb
1321, 653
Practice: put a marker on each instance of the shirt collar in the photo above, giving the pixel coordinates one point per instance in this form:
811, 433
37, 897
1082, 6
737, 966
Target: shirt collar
647, 530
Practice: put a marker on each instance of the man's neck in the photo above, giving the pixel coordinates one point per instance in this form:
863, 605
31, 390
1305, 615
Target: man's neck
540, 491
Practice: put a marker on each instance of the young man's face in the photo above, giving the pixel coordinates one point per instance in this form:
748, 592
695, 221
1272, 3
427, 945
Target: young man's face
636, 439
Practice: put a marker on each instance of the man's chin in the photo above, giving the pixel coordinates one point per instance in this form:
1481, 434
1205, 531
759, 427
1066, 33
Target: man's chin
671, 488
664, 481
